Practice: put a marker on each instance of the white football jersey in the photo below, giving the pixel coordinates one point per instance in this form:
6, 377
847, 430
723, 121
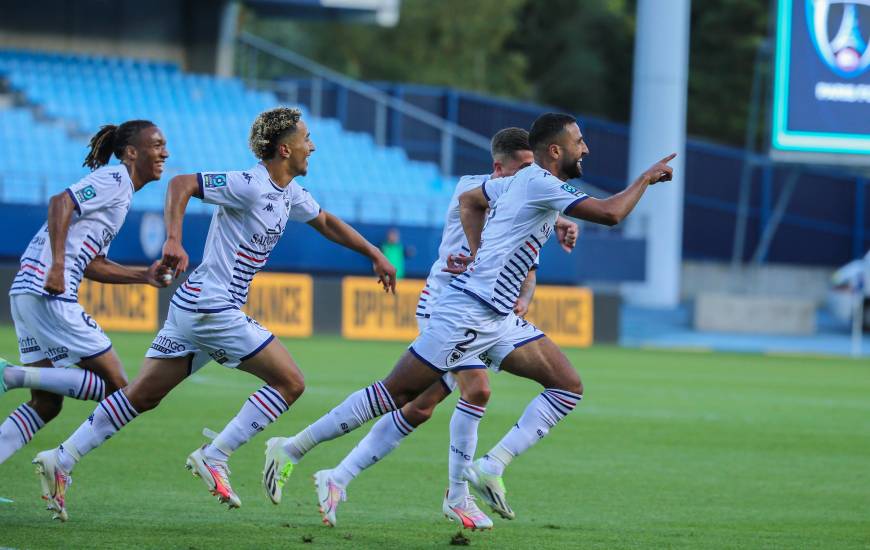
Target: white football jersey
453, 241
251, 216
102, 200
521, 220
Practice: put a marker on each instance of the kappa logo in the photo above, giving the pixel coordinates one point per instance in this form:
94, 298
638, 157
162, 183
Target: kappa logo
86, 193
269, 207
247, 177
116, 176
213, 181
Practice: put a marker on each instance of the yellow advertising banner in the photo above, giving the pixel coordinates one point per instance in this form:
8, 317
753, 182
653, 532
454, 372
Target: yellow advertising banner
369, 313
126, 308
564, 313
283, 303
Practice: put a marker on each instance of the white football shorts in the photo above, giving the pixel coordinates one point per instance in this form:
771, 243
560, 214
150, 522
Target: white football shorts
227, 337
518, 333
57, 330
463, 333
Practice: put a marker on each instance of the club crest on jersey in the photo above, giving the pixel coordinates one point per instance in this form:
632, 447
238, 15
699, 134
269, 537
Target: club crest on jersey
213, 181
86, 193
571, 189
453, 357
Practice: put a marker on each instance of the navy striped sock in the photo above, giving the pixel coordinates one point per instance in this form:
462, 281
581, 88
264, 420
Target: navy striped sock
260, 410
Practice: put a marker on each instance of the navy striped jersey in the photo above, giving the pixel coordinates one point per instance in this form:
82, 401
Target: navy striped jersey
251, 216
453, 241
521, 219
102, 200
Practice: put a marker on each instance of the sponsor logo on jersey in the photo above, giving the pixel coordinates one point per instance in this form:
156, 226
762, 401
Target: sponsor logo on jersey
571, 189
27, 344
273, 196
166, 345
86, 193
213, 181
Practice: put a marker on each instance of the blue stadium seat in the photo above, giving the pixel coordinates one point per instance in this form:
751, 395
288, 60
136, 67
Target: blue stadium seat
206, 120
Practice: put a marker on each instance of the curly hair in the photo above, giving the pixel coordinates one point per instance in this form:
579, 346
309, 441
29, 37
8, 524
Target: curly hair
270, 127
111, 140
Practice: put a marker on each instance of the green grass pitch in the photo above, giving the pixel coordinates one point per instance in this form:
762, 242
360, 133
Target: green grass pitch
668, 450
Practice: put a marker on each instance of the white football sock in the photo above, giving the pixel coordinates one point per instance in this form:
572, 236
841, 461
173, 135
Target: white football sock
360, 407
69, 382
544, 412
384, 436
463, 444
111, 414
17, 430
260, 410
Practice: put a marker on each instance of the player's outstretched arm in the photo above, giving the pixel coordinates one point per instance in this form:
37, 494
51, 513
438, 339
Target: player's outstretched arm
178, 194
613, 210
337, 231
60, 211
103, 270
472, 212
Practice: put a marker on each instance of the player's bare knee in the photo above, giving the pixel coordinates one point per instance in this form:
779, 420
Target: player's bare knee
47, 406
571, 382
477, 394
417, 414
115, 382
291, 388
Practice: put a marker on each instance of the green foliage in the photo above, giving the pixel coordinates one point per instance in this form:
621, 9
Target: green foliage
573, 55
667, 450
447, 43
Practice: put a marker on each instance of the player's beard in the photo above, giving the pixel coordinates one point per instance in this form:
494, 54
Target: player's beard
573, 169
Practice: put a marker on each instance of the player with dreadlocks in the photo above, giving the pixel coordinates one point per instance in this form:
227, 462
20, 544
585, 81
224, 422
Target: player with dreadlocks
52, 328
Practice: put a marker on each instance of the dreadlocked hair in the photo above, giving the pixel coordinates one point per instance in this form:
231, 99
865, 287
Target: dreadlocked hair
270, 127
111, 139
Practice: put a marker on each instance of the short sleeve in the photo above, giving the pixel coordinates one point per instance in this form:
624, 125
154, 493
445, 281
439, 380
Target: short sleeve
230, 189
492, 189
91, 193
554, 194
303, 207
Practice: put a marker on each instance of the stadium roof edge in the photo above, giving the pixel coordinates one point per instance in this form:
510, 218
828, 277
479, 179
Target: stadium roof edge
382, 12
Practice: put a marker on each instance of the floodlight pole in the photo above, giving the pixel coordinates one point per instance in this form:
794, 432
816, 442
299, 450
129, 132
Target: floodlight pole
658, 128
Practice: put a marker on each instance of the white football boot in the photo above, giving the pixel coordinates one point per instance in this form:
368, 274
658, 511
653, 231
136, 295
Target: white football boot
490, 488
55, 481
215, 475
329, 494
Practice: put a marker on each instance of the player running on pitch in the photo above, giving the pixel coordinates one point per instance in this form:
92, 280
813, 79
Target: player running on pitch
52, 328
205, 321
510, 152
522, 222
470, 317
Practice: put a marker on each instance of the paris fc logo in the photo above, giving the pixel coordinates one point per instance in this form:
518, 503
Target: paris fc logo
835, 28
